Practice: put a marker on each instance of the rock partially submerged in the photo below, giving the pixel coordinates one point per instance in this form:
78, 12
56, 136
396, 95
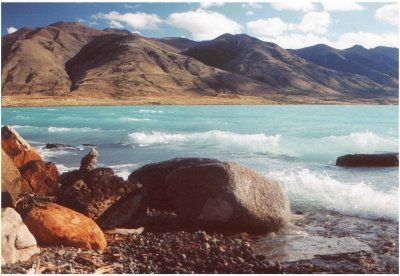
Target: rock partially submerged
58, 146
53, 224
17, 243
369, 160
211, 193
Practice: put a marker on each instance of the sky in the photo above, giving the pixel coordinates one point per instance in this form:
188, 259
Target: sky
291, 24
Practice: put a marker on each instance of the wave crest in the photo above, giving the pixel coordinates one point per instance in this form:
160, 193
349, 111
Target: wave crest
245, 142
316, 190
66, 129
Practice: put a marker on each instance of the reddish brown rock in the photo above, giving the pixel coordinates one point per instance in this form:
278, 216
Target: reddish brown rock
39, 177
52, 224
17, 148
10, 181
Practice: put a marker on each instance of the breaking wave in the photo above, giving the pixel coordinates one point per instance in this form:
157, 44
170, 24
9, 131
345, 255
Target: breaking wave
309, 189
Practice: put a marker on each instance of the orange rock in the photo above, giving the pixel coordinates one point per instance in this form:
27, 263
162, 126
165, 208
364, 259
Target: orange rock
17, 148
39, 177
10, 181
52, 224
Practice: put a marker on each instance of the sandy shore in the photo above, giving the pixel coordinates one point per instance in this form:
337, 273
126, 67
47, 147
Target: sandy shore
221, 99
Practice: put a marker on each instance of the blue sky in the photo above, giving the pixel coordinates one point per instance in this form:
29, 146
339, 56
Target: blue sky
291, 24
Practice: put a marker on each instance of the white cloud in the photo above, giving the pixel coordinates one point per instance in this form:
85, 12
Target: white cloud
203, 24
312, 22
131, 6
249, 13
138, 20
316, 22
270, 27
304, 6
115, 24
367, 39
252, 5
11, 30
341, 6
207, 4
388, 13
80, 20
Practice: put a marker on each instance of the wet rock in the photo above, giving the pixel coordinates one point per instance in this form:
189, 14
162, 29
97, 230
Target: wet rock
39, 177
53, 224
369, 160
227, 195
10, 181
17, 243
89, 161
153, 176
58, 146
17, 148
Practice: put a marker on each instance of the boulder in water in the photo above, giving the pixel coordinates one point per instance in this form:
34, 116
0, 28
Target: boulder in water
227, 195
369, 160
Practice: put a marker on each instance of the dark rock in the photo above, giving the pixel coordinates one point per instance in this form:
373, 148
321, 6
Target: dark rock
229, 196
58, 146
153, 176
369, 160
10, 181
129, 211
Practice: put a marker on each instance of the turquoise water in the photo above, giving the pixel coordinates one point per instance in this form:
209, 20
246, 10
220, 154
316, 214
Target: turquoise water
297, 145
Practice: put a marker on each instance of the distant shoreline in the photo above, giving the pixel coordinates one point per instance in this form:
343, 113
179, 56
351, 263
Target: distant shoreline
44, 101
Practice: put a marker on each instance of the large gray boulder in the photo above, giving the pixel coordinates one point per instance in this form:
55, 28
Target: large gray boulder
152, 177
17, 242
227, 195
211, 193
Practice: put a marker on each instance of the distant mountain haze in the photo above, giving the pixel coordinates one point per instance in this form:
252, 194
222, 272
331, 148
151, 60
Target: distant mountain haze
70, 58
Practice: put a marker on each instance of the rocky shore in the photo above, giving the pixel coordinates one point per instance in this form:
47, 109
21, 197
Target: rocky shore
178, 216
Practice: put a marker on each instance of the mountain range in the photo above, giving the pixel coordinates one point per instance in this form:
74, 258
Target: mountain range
68, 59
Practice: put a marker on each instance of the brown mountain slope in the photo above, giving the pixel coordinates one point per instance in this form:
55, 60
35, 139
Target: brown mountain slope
130, 65
271, 64
33, 60
77, 61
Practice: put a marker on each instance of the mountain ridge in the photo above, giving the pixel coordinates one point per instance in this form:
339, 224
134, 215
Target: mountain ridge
70, 59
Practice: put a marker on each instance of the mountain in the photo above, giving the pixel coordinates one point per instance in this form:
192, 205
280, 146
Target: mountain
285, 71
179, 43
380, 64
70, 59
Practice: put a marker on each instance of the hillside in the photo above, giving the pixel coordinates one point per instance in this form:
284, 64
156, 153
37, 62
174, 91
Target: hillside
75, 61
379, 64
269, 63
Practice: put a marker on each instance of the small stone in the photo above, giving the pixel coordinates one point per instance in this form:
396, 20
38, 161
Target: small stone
207, 246
241, 260
247, 244
237, 241
183, 256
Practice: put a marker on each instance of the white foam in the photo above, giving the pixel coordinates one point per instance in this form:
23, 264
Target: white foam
150, 111
228, 140
66, 129
317, 190
62, 168
123, 173
19, 127
133, 119
129, 165
49, 153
